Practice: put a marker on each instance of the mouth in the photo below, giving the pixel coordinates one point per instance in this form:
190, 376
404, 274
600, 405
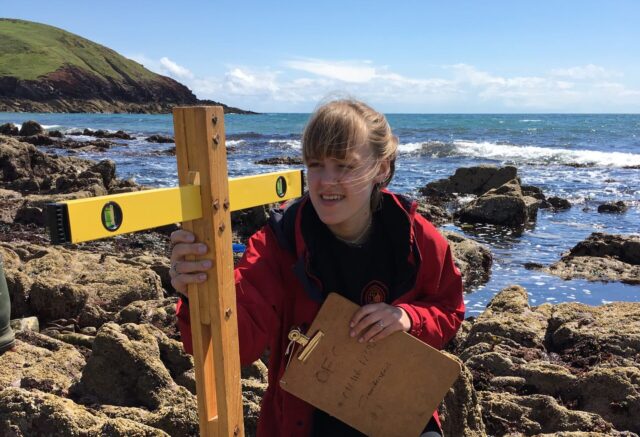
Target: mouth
331, 197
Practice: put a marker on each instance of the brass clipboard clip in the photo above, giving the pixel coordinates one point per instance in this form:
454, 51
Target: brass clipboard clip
308, 344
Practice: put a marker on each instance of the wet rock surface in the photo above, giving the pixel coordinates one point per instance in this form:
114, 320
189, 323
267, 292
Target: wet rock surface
601, 257
555, 368
505, 205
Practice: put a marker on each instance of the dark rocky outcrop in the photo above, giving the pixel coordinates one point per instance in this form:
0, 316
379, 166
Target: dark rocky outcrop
473, 180
505, 205
283, 160
473, 259
556, 203
160, 139
601, 257
615, 207
30, 128
9, 129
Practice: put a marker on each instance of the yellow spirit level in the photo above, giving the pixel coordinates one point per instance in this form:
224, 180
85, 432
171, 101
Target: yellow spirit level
80, 220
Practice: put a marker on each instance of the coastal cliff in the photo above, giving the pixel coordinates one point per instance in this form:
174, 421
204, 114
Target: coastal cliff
46, 69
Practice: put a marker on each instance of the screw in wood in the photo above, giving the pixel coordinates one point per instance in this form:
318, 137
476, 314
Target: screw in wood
221, 227
236, 430
225, 204
216, 204
214, 120
227, 313
216, 139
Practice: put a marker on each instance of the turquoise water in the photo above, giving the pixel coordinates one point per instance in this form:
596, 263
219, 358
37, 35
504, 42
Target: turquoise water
585, 158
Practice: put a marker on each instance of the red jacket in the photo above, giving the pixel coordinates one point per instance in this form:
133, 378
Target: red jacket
272, 298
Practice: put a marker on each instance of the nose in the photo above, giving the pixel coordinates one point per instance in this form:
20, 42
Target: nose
329, 176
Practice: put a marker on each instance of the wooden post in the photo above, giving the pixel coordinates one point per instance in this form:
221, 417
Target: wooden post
202, 156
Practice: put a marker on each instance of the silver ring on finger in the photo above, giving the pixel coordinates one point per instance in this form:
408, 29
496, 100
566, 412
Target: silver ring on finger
380, 323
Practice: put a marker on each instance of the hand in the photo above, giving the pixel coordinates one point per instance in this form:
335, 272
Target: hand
184, 272
376, 321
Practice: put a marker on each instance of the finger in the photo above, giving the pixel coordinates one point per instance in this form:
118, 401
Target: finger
181, 250
181, 267
364, 323
182, 236
373, 331
181, 282
361, 313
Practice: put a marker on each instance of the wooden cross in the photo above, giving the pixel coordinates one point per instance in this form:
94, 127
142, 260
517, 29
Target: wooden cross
203, 202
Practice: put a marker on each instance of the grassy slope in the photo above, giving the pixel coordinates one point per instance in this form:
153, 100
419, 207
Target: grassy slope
29, 50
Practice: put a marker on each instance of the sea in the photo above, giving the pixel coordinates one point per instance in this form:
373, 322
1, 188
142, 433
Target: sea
587, 159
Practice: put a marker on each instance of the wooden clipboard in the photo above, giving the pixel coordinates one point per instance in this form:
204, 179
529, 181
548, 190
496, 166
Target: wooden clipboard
384, 389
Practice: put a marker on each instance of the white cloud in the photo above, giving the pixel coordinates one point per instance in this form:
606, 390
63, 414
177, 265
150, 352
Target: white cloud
299, 84
175, 70
346, 71
589, 71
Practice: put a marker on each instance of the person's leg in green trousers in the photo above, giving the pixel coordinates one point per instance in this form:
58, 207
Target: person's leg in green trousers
7, 338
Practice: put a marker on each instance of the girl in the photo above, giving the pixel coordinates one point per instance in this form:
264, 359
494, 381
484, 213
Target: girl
348, 235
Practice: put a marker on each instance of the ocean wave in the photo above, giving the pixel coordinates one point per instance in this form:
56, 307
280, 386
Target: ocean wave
527, 154
529, 121
294, 144
235, 143
49, 126
522, 154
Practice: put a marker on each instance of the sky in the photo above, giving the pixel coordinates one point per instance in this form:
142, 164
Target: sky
401, 57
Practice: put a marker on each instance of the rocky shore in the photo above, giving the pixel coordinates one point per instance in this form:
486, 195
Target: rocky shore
98, 353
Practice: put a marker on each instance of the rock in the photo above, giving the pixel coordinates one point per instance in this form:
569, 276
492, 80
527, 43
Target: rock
30, 128
39, 140
159, 313
160, 139
27, 413
533, 191
616, 207
473, 259
507, 413
25, 169
460, 411
473, 180
9, 129
582, 332
57, 283
127, 367
105, 168
33, 207
509, 317
11, 202
433, 212
611, 394
602, 257
556, 203
55, 134
247, 221
282, 160
98, 145
40, 362
100, 133
26, 324
504, 205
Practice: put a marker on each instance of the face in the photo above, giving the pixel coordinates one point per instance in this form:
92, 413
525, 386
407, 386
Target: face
340, 189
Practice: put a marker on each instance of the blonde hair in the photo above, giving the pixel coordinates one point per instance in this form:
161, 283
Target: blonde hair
339, 125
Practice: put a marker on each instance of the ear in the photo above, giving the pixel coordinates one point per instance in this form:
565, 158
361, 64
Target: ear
383, 171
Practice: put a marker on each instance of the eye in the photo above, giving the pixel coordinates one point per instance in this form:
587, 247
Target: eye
313, 164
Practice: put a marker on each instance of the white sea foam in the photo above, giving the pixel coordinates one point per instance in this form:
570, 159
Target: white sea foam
545, 155
49, 126
409, 147
234, 143
529, 121
294, 144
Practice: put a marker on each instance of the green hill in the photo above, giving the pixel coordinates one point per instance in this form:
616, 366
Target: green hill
43, 68
31, 50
